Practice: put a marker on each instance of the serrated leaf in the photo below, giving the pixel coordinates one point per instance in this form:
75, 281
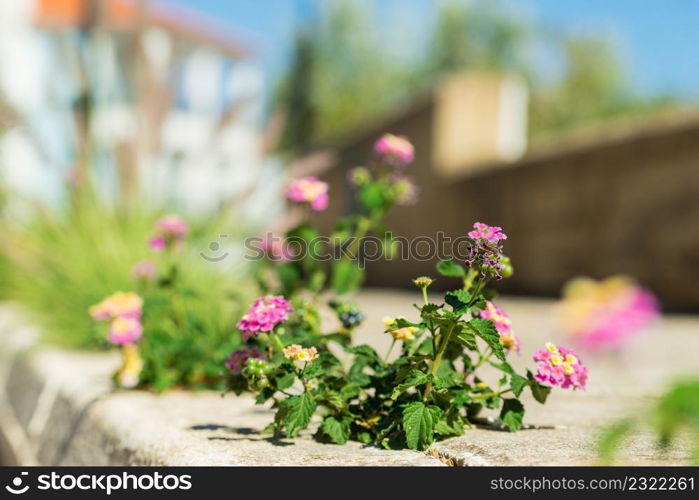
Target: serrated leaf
416, 378
458, 300
466, 337
418, 423
366, 352
338, 430
486, 330
333, 399
451, 269
512, 414
298, 413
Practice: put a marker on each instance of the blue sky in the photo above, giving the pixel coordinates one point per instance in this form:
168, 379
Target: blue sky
657, 39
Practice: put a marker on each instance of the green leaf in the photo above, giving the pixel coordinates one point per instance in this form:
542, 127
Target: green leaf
512, 414
416, 378
337, 430
350, 391
418, 423
451, 269
298, 413
288, 274
285, 381
458, 300
366, 352
518, 383
466, 337
540, 392
334, 400
487, 331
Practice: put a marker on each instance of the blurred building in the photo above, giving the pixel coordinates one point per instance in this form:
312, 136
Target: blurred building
139, 98
616, 200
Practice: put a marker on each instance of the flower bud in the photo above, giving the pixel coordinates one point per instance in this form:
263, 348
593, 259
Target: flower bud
423, 281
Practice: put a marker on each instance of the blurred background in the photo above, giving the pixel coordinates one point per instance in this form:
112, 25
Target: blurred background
573, 125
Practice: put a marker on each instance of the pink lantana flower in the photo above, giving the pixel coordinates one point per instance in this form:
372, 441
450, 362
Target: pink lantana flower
606, 314
503, 325
558, 366
309, 190
121, 304
125, 330
491, 234
264, 315
485, 250
236, 361
170, 232
394, 150
144, 270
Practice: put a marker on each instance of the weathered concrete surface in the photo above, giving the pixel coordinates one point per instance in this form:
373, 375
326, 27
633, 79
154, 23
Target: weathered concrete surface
58, 407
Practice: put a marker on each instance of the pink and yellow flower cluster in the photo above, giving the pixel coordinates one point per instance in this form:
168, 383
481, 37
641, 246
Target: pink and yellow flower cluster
264, 315
558, 366
297, 353
309, 190
394, 150
503, 325
606, 314
170, 232
123, 311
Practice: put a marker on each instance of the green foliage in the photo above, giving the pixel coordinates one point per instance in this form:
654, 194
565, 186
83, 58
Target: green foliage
431, 391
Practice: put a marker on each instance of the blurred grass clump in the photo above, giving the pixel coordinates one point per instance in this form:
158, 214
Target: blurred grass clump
58, 263
673, 416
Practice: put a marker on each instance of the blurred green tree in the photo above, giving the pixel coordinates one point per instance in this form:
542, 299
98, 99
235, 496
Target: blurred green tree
341, 77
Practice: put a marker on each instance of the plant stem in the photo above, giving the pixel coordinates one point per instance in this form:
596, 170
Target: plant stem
363, 227
438, 360
277, 341
487, 395
424, 295
388, 353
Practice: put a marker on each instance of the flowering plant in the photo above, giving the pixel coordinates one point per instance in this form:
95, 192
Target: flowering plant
168, 332
435, 387
294, 262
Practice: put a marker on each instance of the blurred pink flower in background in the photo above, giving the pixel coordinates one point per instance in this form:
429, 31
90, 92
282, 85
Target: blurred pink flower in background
170, 232
276, 249
394, 150
144, 270
125, 330
121, 304
606, 314
558, 366
309, 190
